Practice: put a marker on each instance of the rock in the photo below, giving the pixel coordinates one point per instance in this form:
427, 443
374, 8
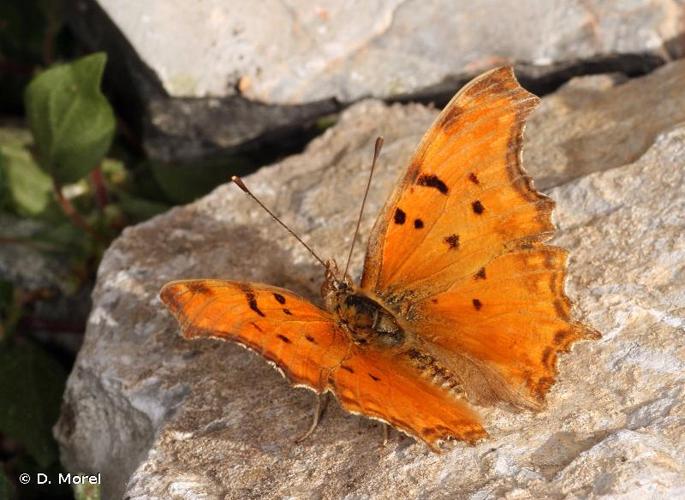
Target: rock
164, 417
24, 264
224, 77
600, 122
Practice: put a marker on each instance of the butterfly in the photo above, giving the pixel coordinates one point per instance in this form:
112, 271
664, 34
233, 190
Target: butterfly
461, 303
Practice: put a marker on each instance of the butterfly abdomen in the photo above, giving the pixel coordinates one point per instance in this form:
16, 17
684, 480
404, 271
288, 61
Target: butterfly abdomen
430, 368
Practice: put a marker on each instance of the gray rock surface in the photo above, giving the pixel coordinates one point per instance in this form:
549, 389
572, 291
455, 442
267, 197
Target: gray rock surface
161, 417
23, 263
600, 122
293, 52
212, 77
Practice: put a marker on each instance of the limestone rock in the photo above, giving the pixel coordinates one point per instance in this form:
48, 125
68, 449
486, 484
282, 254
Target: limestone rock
213, 77
293, 52
600, 122
161, 417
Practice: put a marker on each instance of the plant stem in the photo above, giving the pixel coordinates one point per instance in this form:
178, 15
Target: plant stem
72, 213
101, 197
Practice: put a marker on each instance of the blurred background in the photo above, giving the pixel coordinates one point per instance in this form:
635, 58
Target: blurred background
113, 111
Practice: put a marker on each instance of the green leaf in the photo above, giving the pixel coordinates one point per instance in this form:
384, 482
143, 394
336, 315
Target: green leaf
25, 188
31, 386
71, 120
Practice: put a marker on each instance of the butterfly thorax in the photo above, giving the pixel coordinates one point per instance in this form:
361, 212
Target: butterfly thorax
363, 318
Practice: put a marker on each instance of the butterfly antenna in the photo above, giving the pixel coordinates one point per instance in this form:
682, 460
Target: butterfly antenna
239, 182
376, 153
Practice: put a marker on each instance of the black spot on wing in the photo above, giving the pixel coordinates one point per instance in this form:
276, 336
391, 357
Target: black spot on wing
257, 327
480, 275
477, 304
347, 368
279, 298
287, 311
251, 299
478, 207
400, 216
473, 178
433, 181
284, 338
452, 241
373, 377
418, 224
310, 339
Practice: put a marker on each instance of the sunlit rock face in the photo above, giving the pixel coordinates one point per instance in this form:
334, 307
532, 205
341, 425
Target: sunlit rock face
162, 417
213, 77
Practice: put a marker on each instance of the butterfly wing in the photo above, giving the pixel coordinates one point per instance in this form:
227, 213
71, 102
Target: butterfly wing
301, 339
464, 198
511, 318
385, 386
456, 252
304, 342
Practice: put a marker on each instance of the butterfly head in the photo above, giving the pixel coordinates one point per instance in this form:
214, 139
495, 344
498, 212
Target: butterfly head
335, 285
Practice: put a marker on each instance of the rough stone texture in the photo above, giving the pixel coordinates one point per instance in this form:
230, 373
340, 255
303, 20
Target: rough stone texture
161, 417
24, 264
600, 122
214, 77
293, 52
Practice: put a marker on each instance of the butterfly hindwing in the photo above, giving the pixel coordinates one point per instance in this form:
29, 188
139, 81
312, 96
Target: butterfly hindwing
385, 386
302, 339
511, 318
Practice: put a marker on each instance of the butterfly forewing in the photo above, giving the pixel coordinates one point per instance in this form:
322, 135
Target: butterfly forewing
302, 339
464, 198
309, 347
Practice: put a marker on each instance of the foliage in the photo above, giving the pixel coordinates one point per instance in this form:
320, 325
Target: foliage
70, 181
31, 386
55, 188
24, 188
71, 121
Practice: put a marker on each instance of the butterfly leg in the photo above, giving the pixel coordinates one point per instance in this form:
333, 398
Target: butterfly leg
321, 404
386, 430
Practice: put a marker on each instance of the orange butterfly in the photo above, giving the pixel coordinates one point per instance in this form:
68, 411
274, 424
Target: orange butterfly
460, 302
